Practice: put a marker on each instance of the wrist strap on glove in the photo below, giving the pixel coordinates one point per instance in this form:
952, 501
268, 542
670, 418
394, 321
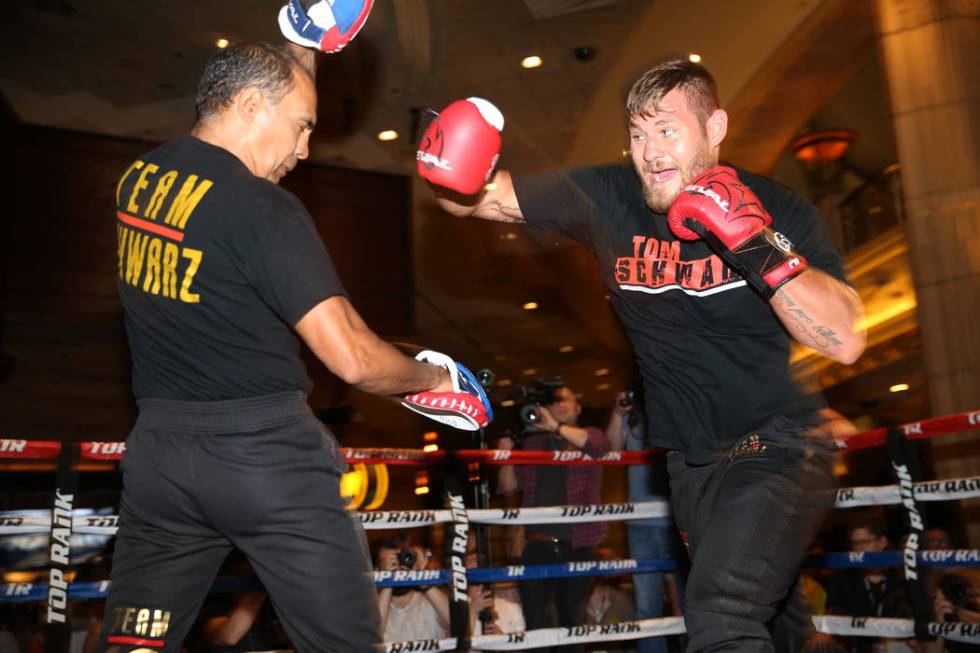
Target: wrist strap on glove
766, 261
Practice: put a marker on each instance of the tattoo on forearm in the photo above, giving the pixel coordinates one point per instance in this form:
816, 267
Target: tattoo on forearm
509, 213
818, 336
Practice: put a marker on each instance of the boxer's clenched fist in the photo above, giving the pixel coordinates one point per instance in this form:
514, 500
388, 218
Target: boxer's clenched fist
461, 145
718, 207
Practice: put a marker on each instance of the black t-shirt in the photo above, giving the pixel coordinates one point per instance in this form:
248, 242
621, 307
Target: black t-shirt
713, 357
216, 267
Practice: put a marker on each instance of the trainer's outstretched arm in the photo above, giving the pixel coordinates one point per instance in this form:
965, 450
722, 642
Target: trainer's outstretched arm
351, 350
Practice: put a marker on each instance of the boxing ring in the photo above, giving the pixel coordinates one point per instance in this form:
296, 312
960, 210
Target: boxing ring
456, 518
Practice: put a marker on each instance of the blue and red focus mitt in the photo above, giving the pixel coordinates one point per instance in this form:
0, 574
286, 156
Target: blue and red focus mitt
466, 408
326, 25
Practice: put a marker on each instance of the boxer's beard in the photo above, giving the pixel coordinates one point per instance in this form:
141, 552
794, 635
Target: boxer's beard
659, 197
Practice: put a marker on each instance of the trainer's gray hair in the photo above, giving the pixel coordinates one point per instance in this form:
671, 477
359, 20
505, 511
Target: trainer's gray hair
693, 79
249, 63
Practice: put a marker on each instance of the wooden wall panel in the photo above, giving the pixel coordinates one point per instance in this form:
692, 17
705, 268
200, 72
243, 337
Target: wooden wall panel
65, 364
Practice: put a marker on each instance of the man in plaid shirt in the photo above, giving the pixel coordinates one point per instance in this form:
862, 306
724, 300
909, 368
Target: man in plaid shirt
551, 485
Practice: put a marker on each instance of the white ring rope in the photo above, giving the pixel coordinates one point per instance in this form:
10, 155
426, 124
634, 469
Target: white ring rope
950, 489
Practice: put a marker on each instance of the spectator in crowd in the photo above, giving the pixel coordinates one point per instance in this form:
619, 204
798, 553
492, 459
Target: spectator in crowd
550, 485
957, 599
871, 591
410, 613
653, 538
936, 539
609, 603
246, 623
494, 609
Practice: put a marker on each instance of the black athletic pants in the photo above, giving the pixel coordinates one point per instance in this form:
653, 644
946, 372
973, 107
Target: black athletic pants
261, 474
749, 517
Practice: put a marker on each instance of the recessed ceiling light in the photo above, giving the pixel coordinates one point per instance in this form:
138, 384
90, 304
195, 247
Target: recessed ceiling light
387, 135
510, 235
529, 306
531, 62
564, 349
221, 43
899, 387
694, 58
604, 371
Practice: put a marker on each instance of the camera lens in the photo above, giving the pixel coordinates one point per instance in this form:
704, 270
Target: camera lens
530, 414
406, 557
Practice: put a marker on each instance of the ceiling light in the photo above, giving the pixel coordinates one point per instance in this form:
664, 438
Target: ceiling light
430, 448
823, 145
694, 58
529, 306
529, 371
564, 349
423, 489
603, 386
507, 403
503, 383
531, 62
221, 44
387, 135
602, 372
510, 235
899, 387
430, 436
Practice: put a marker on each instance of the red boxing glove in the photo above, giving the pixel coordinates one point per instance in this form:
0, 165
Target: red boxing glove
721, 209
461, 146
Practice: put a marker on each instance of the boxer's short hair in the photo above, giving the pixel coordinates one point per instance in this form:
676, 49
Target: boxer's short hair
693, 79
249, 63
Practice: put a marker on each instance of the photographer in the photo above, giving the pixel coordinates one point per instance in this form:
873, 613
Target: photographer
957, 599
409, 613
493, 609
550, 485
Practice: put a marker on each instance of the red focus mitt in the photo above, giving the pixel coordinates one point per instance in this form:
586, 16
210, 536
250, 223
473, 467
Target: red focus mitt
326, 25
466, 408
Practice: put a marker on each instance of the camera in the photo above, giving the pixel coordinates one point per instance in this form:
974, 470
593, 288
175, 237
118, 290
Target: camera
957, 589
629, 398
540, 392
406, 558
487, 615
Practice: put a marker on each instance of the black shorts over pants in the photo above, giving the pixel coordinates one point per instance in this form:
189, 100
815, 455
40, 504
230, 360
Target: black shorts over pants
260, 474
748, 518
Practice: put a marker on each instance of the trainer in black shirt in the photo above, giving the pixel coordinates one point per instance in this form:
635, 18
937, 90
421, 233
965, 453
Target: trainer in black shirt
219, 270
